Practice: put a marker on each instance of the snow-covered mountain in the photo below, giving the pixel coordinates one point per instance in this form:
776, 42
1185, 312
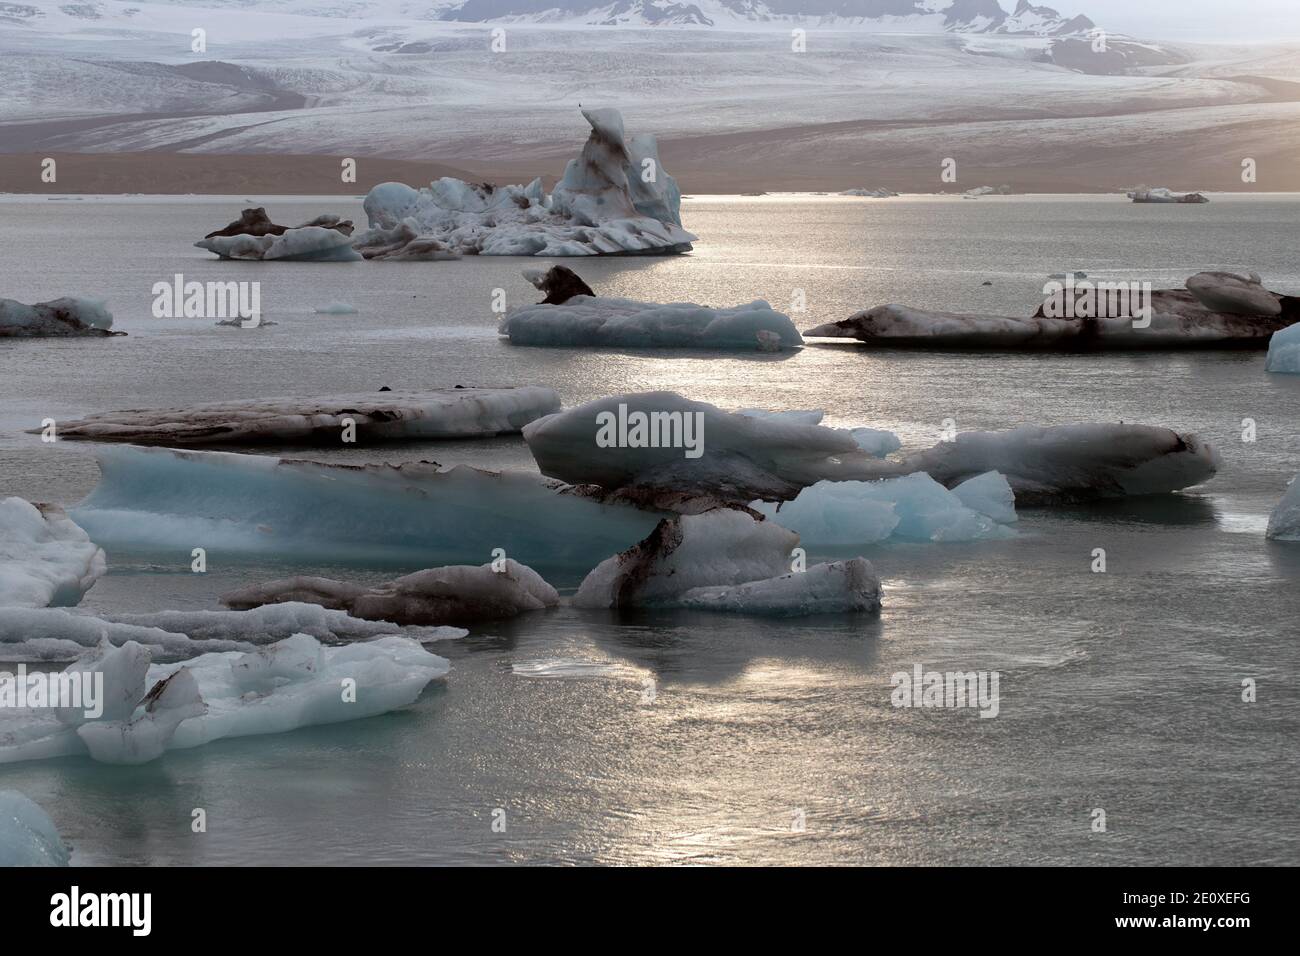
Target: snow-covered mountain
961, 16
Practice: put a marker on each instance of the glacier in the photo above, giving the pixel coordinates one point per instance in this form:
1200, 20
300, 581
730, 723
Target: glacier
164, 501
68, 316
1217, 310
744, 457
1284, 521
456, 594
45, 558
28, 837
387, 416
835, 514
57, 634
625, 323
614, 199
293, 683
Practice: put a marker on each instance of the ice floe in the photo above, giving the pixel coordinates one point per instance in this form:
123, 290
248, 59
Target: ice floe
1284, 522
583, 320
641, 442
726, 560
55, 634
326, 238
162, 501
45, 558
293, 683
1161, 194
1212, 312
832, 514
1284, 351
28, 837
433, 596
68, 316
381, 416
837, 587
605, 204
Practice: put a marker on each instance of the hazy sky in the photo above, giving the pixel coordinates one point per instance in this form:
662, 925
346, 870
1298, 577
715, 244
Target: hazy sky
1190, 19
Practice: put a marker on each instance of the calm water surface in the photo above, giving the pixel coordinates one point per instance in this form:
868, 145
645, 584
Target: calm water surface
1120, 691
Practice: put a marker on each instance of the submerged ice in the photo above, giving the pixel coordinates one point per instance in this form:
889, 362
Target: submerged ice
28, 837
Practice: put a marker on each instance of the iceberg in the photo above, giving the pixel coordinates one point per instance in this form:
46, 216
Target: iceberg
838, 587
833, 514
68, 316
614, 199
875, 442
253, 236
55, 634
1284, 351
386, 416
1284, 522
625, 323
742, 457
28, 837
45, 558
1073, 461
163, 501
1210, 313
868, 193
293, 683
726, 560
434, 596
989, 494
1160, 194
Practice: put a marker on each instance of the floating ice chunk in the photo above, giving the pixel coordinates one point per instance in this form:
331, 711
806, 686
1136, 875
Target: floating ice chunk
1284, 522
651, 432
868, 193
304, 244
144, 737
233, 695
1073, 461
876, 443
742, 458
1284, 351
720, 547
386, 416
989, 494
625, 323
45, 559
28, 837
356, 681
1234, 294
1161, 194
913, 508
602, 205
432, 596
122, 670
835, 588
52, 634
59, 317
336, 308
1177, 320
416, 514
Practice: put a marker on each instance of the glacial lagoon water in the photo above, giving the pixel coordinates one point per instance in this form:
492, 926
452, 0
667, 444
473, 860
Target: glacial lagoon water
1120, 691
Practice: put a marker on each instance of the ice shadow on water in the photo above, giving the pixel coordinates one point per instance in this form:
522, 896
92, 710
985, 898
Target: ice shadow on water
1163, 510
